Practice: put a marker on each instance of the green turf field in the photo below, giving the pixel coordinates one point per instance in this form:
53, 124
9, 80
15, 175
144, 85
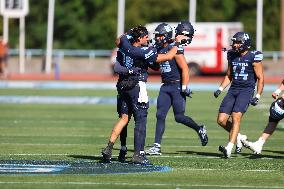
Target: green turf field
79, 132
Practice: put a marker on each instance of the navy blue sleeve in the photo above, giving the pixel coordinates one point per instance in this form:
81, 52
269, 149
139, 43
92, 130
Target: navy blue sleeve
180, 48
125, 43
149, 54
120, 69
258, 56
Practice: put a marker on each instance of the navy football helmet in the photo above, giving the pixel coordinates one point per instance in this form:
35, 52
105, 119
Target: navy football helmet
243, 39
163, 30
185, 28
277, 109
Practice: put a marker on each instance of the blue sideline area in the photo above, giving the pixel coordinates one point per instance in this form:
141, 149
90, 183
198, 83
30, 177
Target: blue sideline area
84, 85
35, 167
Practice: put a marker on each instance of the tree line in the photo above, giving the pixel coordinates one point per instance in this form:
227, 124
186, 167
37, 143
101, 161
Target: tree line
92, 24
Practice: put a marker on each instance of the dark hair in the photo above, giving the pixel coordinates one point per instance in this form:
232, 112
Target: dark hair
138, 31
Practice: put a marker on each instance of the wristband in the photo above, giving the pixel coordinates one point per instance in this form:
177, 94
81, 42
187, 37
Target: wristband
278, 91
257, 96
221, 88
183, 87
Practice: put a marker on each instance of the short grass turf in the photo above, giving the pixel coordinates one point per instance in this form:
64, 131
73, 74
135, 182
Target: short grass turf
79, 132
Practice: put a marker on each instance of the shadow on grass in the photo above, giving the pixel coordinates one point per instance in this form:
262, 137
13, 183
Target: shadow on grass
208, 154
99, 159
274, 151
263, 156
86, 157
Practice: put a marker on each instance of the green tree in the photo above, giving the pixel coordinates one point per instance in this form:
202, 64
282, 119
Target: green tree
91, 24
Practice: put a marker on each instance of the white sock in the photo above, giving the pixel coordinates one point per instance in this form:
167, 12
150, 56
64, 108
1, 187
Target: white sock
239, 135
142, 152
230, 146
261, 141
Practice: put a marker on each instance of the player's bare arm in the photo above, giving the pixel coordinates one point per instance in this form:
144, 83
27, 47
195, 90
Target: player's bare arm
260, 76
226, 81
181, 62
276, 93
171, 54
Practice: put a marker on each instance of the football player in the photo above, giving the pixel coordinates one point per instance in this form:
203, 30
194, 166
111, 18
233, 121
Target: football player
132, 93
244, 71
174, 88
276, 114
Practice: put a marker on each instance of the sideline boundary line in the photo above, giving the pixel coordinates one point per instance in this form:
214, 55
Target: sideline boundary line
144, 184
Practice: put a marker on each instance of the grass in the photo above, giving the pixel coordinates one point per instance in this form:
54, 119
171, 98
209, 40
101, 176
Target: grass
74, 132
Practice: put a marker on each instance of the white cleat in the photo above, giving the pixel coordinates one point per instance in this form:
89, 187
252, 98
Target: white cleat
225, 151
253, 146
239, 144
154, 150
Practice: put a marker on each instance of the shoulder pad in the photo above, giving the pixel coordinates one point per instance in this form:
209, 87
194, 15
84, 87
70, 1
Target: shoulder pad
257, 56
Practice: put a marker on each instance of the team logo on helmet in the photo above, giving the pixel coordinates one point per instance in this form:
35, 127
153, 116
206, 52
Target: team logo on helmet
243, 39
185, 28
163, 31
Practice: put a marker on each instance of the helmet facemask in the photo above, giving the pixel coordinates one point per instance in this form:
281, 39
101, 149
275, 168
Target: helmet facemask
243, 40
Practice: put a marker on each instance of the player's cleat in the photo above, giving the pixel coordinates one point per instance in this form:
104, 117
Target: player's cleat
107, 152
154, 150
239, 144
121, 156
140, 158
224, 150
253, 146
202, 133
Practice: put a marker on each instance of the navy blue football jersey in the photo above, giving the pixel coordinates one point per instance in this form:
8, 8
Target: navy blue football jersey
130, 56
242, 71
169, 69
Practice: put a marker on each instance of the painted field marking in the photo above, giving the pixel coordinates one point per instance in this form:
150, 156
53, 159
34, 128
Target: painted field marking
144, 184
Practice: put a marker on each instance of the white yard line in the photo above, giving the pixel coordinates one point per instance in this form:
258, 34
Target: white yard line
142, 184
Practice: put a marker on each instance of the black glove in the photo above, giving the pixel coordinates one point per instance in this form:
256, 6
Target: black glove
187, 92
254, 101
134, 71
217, 93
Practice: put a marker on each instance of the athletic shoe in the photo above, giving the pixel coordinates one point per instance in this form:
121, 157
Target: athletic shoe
253, 146
224, 150
202, 133
239, 144
154, 150
140, 159
107, 152
121, 156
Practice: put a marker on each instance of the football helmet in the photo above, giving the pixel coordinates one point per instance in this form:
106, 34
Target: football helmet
165, 30
185, 28
277, 109
243, 39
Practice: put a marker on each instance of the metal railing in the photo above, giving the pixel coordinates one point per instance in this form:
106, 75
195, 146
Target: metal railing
64, 52
274, 55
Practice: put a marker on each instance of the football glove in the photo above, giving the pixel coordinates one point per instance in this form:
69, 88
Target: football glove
217, 93
187, 92
254, 101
